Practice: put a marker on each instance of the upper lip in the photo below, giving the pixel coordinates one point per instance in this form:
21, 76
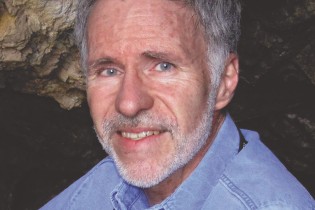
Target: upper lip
139, 129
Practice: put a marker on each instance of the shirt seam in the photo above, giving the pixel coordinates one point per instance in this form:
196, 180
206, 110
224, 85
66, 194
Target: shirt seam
135, 200
278, 203
238, 193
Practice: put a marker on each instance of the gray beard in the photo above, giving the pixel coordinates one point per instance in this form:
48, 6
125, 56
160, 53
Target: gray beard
186, 147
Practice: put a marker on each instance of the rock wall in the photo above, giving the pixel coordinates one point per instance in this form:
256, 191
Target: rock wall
47, 140
37, 53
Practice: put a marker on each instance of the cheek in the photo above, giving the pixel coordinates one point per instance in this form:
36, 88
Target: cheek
99, 104
192, 111
93, 95
189, 104
94, 108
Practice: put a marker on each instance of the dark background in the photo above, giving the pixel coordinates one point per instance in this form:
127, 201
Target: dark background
43, 148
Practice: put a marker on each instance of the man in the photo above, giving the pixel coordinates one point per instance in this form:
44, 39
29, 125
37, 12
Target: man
159, 75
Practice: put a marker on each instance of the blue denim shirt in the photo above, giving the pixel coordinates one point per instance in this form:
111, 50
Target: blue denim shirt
225, 179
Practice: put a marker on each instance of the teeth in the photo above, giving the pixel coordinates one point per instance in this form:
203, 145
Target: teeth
138, 136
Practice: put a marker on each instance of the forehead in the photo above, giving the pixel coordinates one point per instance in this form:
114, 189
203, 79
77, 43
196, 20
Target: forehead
117, 9
161, 21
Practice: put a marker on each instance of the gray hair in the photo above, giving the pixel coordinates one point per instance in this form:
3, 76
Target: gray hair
220, 19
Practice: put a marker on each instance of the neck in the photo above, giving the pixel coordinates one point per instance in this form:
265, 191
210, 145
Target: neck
164, 189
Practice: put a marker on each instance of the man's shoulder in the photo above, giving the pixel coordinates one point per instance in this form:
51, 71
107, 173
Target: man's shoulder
260, 181
93, 188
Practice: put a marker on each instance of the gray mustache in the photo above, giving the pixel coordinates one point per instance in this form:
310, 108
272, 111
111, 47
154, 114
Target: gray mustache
143, 119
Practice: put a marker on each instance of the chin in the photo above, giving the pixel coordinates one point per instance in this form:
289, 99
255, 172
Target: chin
144, 174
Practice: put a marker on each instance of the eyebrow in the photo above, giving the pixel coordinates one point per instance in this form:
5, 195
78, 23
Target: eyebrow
166, 56
104, 61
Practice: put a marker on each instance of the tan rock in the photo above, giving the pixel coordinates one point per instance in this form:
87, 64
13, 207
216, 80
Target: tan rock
36, 36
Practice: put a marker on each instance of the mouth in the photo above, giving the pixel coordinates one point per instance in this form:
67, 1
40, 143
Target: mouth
138, 136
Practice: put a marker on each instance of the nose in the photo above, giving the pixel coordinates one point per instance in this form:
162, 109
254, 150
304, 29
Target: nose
133, 96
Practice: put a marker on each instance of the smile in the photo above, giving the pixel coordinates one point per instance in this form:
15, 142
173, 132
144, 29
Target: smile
138, 136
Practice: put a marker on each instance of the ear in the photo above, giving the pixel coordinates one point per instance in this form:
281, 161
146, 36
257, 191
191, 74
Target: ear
229, 80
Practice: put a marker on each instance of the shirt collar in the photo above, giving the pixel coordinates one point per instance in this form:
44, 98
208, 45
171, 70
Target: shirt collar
192, 193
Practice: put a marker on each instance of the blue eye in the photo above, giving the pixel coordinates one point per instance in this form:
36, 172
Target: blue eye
164, 66
109, 72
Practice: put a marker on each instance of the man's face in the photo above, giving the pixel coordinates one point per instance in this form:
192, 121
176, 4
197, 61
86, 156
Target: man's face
148, 86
